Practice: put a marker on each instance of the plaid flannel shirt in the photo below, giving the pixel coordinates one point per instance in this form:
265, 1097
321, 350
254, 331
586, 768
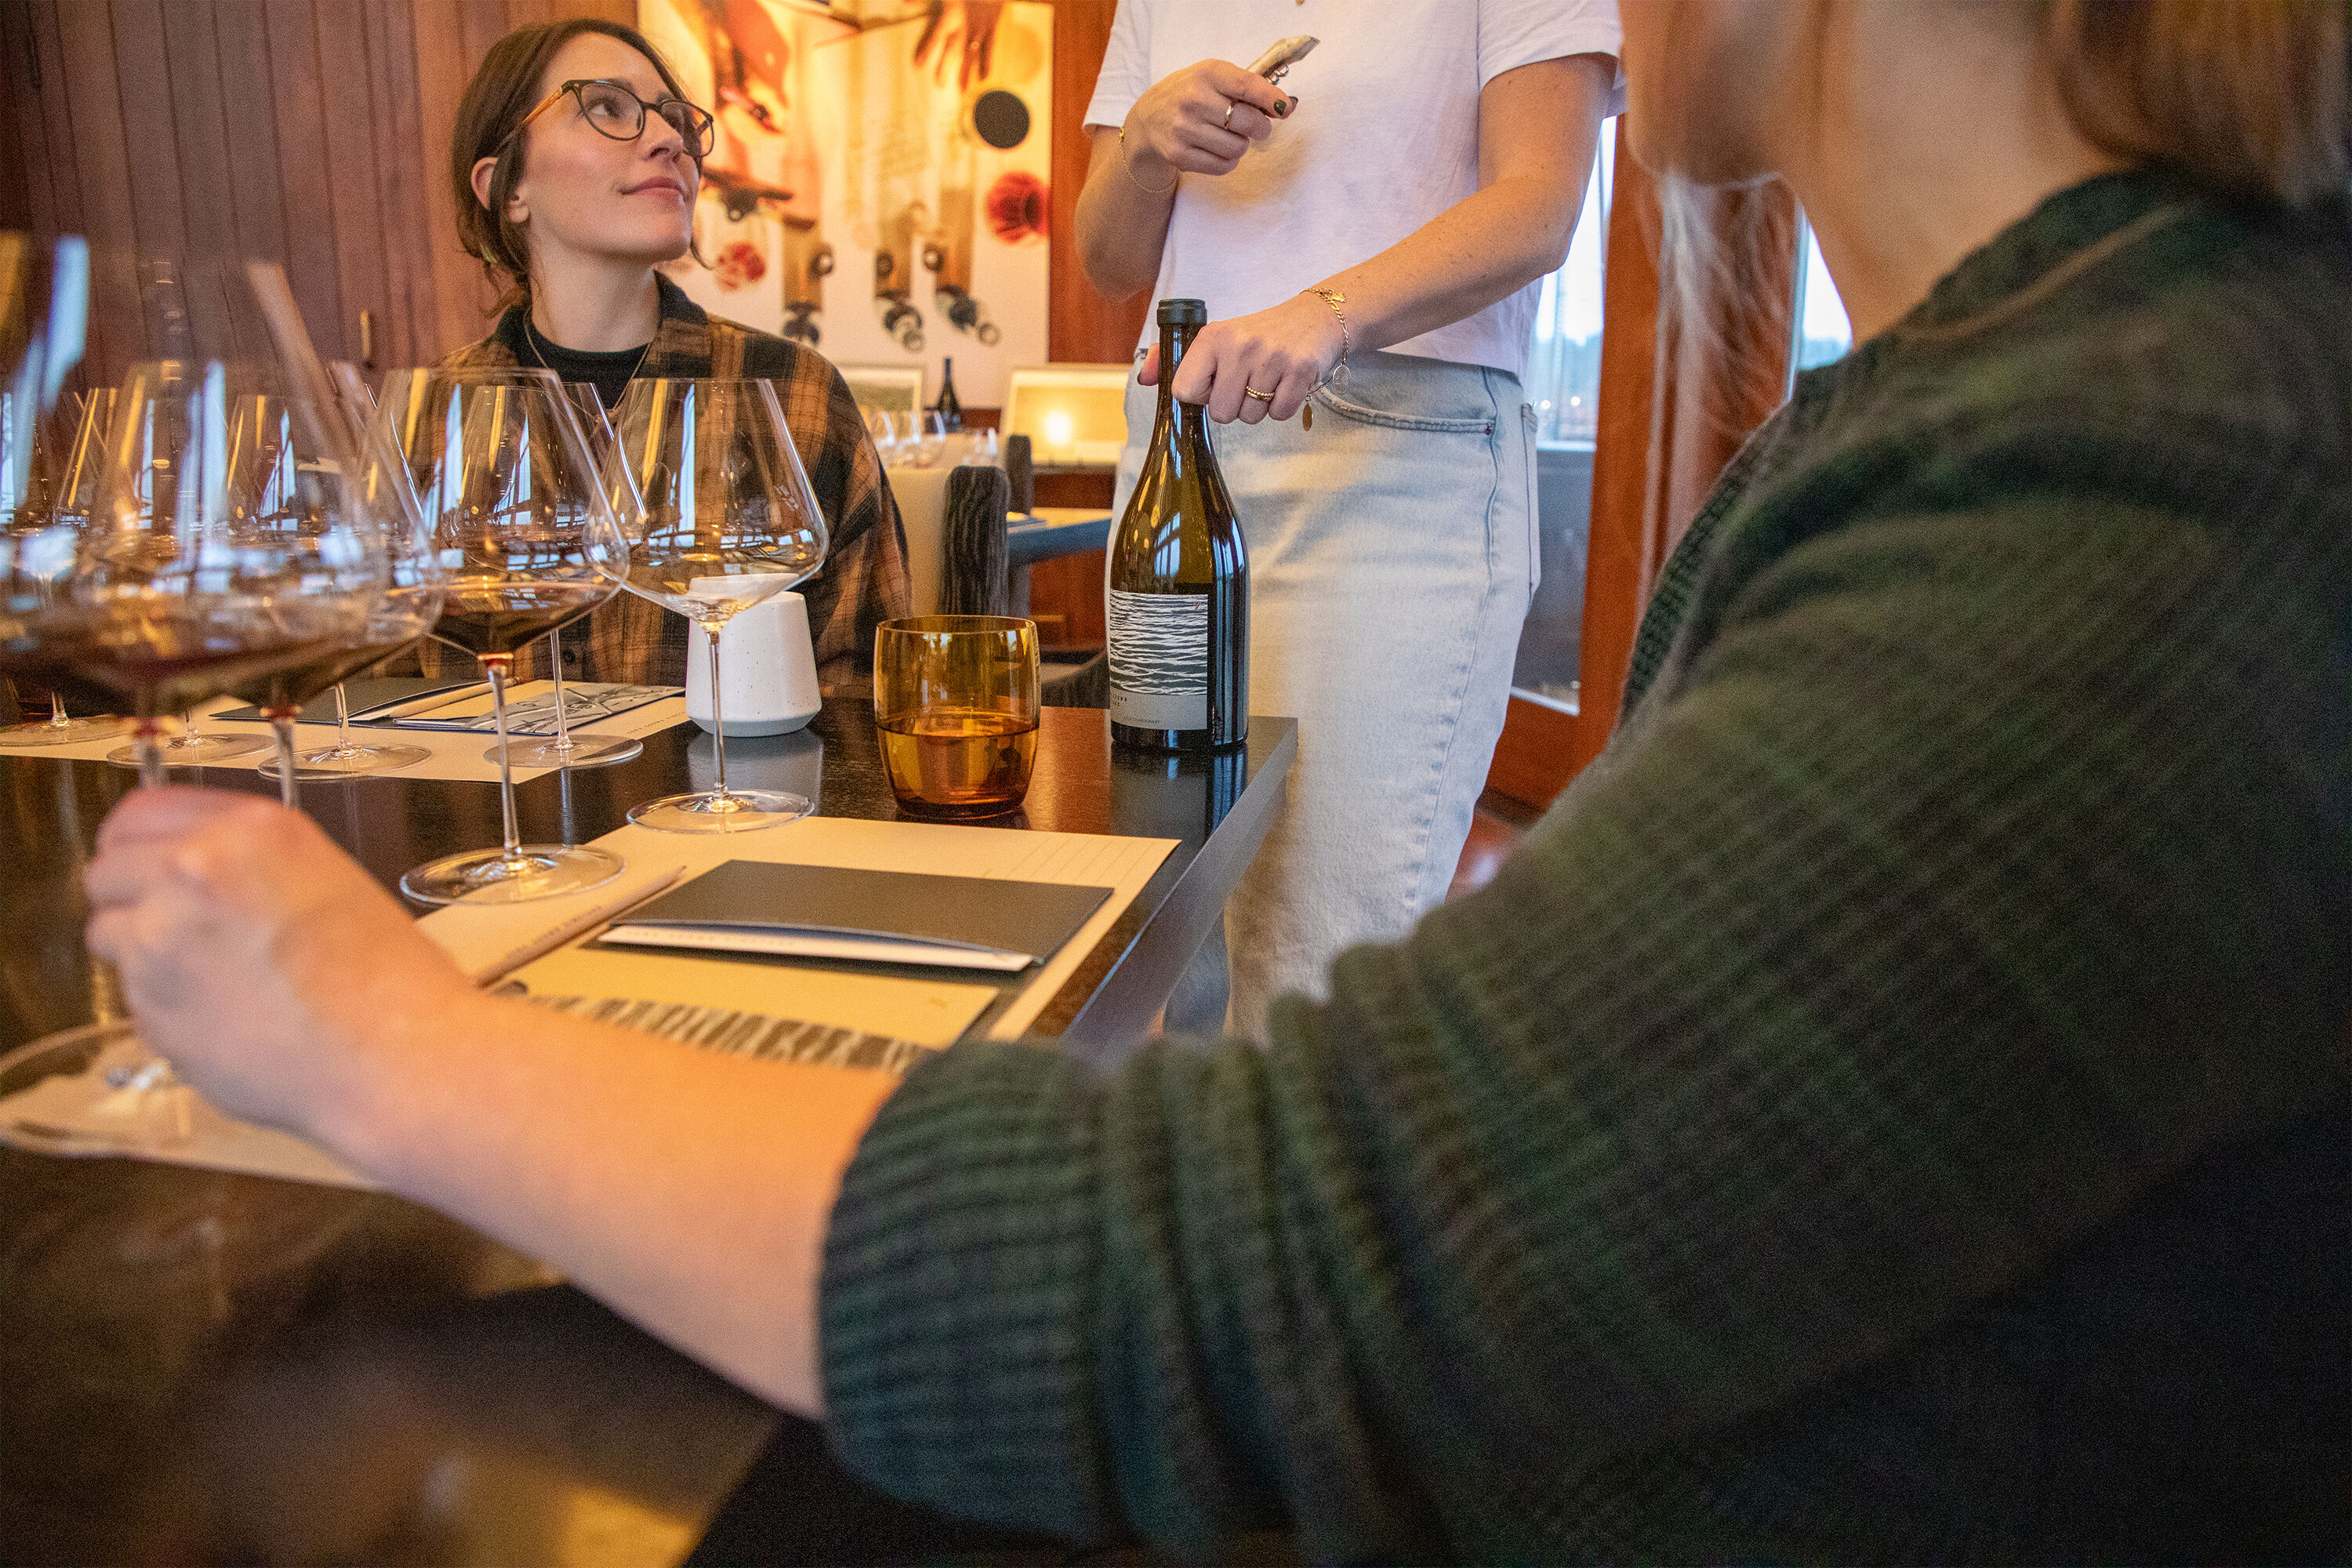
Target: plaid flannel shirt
864, 581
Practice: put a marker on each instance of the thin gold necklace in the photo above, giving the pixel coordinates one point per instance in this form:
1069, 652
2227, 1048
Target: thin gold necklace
530, 341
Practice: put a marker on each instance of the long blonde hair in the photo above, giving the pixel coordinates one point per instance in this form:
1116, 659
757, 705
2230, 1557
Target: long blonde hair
2247, 98
2251, 100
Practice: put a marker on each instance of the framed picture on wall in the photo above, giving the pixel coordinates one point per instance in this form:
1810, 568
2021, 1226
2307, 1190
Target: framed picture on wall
893, 389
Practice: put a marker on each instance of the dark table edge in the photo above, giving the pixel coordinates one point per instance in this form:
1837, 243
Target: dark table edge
1184, 903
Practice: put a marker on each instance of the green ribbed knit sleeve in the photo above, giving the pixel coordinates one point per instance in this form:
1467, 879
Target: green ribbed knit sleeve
1928, 911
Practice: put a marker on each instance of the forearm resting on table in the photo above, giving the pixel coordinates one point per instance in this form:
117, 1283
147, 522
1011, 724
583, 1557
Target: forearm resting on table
688, 1191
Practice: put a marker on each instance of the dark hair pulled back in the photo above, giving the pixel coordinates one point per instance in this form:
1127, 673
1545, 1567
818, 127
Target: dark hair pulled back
504, 90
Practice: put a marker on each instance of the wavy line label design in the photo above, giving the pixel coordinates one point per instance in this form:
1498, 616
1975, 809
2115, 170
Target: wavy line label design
1159, 646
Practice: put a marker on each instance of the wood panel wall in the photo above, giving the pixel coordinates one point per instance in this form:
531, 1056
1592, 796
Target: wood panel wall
316, 133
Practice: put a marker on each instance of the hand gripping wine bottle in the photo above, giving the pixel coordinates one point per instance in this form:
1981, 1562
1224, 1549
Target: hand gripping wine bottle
1176, 581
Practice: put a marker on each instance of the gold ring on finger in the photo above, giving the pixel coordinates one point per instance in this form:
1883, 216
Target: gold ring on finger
1230, 105
1261, 396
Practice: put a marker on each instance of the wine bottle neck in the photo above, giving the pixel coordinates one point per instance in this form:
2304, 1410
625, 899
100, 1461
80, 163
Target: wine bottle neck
1179, 419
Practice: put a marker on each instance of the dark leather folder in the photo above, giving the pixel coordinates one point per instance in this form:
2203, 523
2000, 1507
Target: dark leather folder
882, 917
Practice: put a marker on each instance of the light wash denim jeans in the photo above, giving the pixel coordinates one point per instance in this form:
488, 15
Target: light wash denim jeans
1392, 558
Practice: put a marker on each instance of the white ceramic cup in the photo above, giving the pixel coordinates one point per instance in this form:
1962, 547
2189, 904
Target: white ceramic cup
767, 671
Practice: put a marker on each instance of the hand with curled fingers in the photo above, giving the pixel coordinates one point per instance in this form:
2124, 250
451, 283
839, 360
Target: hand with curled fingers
270, 969
1283, 353
1200, 120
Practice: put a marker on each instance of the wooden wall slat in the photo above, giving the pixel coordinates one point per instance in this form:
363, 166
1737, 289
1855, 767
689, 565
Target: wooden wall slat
1080, 325
54, 112
29, 169
379, 88
102, 164
145, 83
305, 174
459, 292
359, 251
199, 132
481, 22
241, 38
412, 189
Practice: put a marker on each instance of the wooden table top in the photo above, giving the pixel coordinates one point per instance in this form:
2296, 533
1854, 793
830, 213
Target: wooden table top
201, 1367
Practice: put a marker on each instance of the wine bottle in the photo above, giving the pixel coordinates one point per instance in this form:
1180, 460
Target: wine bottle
1176, 580
948, 409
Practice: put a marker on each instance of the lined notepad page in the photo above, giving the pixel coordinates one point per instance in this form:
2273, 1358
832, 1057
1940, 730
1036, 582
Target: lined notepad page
927, 1011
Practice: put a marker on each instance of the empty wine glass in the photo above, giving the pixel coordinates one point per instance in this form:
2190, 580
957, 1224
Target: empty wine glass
885, 432
586, 749
401, 616
729, 520
529, 541
44, 503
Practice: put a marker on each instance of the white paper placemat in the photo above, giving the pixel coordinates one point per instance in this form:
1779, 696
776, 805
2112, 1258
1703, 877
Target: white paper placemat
458, 755
931, 1012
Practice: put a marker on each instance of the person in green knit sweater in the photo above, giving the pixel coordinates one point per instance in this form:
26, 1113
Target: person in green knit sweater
1894, 1105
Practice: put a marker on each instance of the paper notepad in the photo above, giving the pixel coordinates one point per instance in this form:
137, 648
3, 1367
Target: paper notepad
879, 917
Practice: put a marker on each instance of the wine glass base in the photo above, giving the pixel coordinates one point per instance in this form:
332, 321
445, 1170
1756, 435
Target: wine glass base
589, 750
489, 877
47, 732
201, 752
339, 763
736, 811
101, 1091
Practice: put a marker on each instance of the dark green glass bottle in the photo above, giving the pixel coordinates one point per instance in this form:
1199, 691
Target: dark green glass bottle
1176, 581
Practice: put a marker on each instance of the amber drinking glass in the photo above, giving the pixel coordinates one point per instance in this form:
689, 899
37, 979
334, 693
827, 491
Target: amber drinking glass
955, 699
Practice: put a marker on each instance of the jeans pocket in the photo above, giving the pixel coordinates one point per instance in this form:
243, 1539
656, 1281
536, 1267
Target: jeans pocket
1387, 419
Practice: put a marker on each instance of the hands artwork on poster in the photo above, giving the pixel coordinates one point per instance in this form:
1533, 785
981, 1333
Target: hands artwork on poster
878, 183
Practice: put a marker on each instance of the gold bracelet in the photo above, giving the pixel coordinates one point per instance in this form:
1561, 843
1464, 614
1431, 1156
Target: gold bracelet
1125, 169
1334, 299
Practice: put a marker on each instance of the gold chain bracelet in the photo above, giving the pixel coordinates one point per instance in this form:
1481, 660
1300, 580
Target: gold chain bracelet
1128, 170
1334, 299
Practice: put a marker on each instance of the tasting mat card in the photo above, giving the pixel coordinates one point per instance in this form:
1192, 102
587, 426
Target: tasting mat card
84, 1106
458, 755
914, 1006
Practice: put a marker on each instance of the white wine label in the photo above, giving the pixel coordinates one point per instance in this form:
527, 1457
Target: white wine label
1159, 660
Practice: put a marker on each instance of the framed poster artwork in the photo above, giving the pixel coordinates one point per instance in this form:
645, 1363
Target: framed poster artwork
879, 181
894, 390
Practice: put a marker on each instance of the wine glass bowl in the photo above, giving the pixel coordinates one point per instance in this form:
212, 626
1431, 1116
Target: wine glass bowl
586, 749
401, 616
44, 502
527, 541
228, 551
727, 520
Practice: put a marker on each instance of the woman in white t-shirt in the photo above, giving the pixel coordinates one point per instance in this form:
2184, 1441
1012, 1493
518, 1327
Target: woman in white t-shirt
1370, 236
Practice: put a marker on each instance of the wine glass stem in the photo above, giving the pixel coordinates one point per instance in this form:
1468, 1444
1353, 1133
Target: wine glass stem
151, 754
342, 720
282, 722
56, 710
555, 672
718, 723
495, 666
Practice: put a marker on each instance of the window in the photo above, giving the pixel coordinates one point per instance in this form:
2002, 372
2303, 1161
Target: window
1564, 386
1824, 331
1564, 358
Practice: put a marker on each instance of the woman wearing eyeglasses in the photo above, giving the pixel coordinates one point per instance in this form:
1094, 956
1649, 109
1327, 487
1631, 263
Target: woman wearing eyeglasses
575, 165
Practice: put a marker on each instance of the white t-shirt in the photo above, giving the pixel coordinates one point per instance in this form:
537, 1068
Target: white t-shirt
1385, 137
